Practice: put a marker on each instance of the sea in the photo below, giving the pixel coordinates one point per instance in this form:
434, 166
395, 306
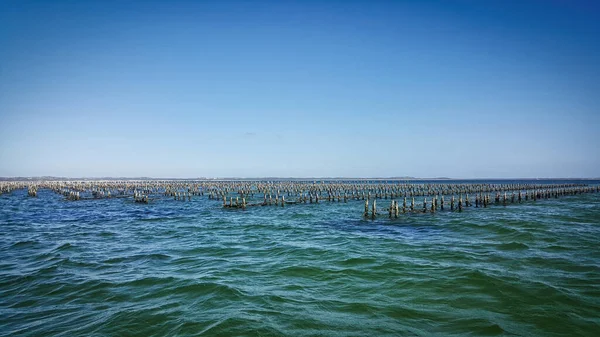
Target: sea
112, 267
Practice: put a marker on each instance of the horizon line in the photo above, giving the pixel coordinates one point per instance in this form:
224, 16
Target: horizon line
18, 178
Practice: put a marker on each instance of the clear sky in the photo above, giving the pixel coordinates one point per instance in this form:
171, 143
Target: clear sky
300, 88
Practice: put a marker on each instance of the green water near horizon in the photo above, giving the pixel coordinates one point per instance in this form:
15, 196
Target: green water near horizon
170, 268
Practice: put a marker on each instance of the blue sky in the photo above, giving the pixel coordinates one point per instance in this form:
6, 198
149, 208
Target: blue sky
465, 89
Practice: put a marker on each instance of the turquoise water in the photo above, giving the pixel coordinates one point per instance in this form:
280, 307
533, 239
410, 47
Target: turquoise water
112, 267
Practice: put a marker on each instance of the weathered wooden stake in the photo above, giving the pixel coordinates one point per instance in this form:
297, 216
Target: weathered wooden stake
374, 214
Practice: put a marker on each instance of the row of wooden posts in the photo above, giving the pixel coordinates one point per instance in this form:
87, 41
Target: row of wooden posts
281, 193
481, 200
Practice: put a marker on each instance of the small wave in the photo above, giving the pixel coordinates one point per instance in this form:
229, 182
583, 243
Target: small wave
303, 271
558, 248
302, 216
234, 326
359, 308
481, 327
512, 246
479, 278
26, 243
150, 281
47, 270
212, 288
64, 246
220, 221
71, 263
356, 261
155, 256
161, 219
500, 228
137, 257
47, 256
169, 286
24, 304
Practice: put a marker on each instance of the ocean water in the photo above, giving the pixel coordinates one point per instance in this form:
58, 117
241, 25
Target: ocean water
112, 267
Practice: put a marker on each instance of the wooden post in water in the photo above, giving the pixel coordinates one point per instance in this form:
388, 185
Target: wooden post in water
366, 214
374, 214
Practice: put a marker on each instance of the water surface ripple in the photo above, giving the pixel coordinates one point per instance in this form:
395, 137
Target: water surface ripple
116, 268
